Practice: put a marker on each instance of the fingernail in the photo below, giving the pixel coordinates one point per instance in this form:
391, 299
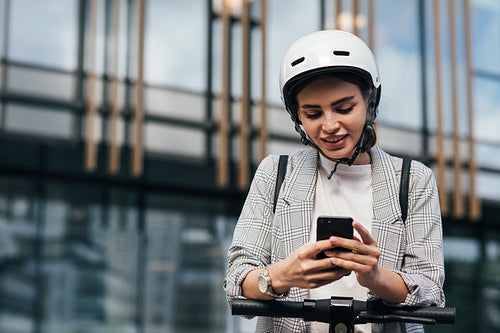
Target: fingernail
333, 239
333, 260
328, 252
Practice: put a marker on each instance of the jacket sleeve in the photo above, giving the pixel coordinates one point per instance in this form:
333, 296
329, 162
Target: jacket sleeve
250, 248
423, 265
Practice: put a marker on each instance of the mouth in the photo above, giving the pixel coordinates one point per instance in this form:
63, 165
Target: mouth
334, 139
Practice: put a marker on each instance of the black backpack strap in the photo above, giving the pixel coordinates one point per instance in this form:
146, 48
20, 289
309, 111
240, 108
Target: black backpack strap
279, 178
403, 188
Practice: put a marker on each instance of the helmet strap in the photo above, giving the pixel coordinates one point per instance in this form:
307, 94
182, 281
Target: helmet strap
349, 161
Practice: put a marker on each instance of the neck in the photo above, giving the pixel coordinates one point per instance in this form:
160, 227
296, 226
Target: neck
363, 158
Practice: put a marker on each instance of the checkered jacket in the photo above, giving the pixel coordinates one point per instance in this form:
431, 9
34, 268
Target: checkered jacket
413, 248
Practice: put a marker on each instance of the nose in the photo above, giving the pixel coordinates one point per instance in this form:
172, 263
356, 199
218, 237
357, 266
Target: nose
330, 123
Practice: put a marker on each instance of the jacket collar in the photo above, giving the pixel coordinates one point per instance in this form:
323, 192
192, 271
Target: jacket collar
301, 182
303, 171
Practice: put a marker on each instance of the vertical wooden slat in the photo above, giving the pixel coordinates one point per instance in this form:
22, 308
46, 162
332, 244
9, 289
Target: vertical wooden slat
91, 108
441, 163
371, 24
338, 8
263, 103
222, 176
244, 132
114, 152
322, 14
355, 12
458, 206
3, 46
137, 148
2, 50
474, 204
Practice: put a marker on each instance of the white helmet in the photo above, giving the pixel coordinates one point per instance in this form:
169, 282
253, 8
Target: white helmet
327, 51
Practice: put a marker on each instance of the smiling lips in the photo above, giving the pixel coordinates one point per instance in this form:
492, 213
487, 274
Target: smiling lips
333, 140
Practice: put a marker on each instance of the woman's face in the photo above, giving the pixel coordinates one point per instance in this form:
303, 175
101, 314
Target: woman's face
333, 114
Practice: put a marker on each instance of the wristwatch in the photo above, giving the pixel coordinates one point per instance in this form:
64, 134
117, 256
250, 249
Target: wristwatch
265, 284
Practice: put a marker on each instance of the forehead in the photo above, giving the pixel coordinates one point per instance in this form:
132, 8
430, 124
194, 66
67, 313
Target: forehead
328, 86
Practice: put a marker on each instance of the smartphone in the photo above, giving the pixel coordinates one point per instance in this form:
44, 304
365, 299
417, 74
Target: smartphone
328, 226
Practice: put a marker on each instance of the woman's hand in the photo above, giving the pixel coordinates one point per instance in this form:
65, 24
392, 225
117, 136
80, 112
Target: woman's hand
363, 260
300, 269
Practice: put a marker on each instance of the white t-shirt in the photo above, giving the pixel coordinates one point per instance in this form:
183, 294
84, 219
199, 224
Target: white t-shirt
347, 193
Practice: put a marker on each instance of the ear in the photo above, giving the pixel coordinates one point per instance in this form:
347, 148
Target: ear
371, 111
367, 133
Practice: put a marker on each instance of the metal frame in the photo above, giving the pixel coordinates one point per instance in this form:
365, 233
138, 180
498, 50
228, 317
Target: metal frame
474, 205
91, 108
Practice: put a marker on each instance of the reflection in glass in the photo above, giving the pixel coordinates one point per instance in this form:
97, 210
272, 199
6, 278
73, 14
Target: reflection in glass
287, 21
186, 258
174, 103
486, 109
398, 56
18, 264
38, 82
175, 44
50, 38
38, 121
488, 184
89, 260
486, 33
174, 140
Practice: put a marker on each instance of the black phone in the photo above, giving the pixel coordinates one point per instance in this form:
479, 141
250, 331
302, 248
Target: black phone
328, 226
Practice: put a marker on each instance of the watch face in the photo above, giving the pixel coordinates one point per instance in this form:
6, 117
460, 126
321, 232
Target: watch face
262, 282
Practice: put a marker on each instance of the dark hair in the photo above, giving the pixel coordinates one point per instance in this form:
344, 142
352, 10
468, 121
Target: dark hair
370, 136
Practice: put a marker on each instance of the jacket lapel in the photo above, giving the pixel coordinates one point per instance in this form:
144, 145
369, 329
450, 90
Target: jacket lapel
298, 196
385, 187
386, 227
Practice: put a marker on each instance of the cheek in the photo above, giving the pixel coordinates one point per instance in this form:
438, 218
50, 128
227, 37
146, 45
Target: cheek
308, 124
357, 122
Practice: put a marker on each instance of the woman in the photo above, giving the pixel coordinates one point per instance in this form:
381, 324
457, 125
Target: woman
331, 88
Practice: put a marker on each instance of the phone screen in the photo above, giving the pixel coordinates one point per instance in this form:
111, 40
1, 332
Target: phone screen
328, 226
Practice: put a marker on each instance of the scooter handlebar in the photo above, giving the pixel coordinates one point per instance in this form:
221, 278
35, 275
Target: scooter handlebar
363, 312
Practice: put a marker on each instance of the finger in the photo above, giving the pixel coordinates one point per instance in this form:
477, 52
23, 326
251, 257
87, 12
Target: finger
346, 264
357, 248
364, 233
348, 245
356, 261
325, 244
345, 243
328, 276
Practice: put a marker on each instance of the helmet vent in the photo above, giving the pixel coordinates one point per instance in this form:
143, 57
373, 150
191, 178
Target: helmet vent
298, 61
342, 53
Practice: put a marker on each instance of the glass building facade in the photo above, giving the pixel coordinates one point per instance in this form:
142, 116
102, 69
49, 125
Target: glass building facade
130, 130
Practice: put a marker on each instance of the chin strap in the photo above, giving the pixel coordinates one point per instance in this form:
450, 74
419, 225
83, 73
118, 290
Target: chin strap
349, 161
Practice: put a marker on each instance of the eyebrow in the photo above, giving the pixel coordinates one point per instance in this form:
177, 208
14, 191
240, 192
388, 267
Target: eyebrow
339, 101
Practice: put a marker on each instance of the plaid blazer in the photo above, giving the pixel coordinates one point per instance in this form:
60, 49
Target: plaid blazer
412, 249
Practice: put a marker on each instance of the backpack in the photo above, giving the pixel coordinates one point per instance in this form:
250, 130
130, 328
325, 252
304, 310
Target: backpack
403, 186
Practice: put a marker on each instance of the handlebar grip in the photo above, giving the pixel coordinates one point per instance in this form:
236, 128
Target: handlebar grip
250, 307
440, 315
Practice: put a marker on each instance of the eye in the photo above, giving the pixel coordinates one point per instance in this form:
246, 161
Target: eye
345, 110
314, 115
